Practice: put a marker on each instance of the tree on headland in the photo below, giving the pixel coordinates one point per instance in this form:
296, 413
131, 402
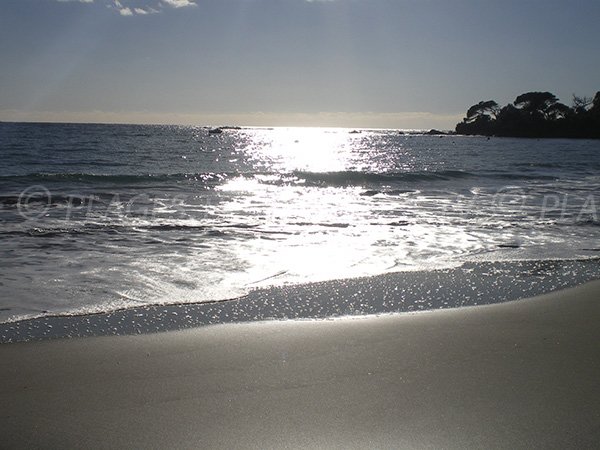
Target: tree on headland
535, 102
542, 105
534, 114
488, 109
595, 109
481, 115
581, 104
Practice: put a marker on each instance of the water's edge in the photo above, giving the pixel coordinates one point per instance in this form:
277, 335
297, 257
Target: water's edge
473, 283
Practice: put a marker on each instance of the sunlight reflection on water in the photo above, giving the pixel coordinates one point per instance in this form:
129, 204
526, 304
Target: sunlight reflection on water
254, 207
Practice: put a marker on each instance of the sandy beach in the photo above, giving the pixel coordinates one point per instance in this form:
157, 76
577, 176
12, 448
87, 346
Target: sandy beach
299, 224
521, 374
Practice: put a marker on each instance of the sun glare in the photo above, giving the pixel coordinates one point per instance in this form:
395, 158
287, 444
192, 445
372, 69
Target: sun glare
306, 149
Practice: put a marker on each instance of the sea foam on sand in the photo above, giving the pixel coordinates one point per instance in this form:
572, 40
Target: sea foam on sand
520, 374
471, 283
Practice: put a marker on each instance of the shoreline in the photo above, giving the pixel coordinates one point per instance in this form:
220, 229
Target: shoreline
472, 283
509, 375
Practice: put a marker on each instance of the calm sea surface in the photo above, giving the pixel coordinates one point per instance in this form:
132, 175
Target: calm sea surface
101, 217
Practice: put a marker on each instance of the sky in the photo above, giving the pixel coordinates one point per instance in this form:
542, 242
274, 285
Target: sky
353, 63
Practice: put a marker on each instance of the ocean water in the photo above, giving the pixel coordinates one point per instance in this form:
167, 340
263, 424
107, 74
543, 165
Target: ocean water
97, 218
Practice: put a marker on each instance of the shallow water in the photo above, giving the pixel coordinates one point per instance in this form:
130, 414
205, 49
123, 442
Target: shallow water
471, 284
95, 218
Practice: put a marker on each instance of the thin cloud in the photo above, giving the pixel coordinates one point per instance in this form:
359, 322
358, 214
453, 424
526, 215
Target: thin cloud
142, 11
179, 3
125, 7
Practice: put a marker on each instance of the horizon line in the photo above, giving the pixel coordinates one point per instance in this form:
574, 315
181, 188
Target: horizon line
364, 120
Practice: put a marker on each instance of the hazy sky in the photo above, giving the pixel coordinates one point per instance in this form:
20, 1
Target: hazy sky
387, 63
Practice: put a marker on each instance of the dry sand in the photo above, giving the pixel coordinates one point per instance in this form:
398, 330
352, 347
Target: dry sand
523, 374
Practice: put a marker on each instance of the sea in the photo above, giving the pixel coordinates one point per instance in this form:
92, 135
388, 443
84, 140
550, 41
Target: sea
98, 218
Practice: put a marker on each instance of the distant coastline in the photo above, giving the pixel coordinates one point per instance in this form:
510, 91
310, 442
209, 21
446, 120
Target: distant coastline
535, 115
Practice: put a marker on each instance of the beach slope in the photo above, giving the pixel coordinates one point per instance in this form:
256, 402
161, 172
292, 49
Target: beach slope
522, 374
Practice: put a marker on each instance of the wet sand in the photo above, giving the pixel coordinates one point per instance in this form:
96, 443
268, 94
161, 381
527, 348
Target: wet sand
522, 374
